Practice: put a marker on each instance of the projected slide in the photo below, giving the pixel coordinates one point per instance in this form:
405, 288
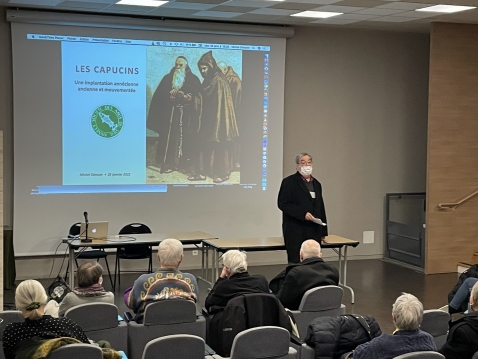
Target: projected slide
137, 113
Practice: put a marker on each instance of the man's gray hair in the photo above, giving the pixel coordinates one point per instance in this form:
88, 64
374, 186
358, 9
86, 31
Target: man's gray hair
310, 248
170, 251
300, 155
408, 312
474, 295
235, 260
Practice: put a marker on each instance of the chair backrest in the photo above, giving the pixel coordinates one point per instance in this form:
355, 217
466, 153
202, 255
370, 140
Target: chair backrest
175, 347
435, 322
74, 230
94, 316
76, 351
421, 355
170, 311
9, 316
261, 342
321, 298
135, 228
475, 356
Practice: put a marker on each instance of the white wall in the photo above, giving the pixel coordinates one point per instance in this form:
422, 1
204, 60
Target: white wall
355, 100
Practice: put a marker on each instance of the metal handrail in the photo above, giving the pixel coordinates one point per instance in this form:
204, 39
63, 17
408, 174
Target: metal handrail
444, 206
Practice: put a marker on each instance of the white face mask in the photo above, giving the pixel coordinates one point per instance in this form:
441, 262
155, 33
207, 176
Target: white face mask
306, 170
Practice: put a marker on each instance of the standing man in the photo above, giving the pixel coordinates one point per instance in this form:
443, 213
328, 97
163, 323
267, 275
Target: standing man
300, 200
218, 121
174, 115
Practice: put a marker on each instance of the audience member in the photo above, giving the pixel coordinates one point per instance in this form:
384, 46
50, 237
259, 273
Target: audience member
23, 337
89, 289
166, 283
234, 281
407, 315
291, 284
460, 300
462, 340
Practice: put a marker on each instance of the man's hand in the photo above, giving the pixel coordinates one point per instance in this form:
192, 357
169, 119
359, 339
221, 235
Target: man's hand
225, 273
309, 216
323, 240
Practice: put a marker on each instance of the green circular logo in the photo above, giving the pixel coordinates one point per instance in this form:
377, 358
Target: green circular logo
107, 121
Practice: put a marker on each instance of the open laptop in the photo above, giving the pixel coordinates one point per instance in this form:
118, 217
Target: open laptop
96, 230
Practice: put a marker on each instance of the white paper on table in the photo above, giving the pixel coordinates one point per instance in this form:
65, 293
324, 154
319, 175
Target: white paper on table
319, 221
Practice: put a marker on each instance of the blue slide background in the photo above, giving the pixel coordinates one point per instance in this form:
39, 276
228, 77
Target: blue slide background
84, 151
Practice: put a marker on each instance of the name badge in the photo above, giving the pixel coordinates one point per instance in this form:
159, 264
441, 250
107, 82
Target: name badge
312, 194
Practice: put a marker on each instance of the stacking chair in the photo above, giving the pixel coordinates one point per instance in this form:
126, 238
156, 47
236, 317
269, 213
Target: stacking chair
262, 343
76, 351
94, 253
475, 356
435, 322
7, 317
166, 317
133, 251
176, 346
318, 302
421, 355
100, 322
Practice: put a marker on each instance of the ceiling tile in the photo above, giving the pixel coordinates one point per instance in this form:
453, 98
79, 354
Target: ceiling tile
293, 6
357, 17
403, 5
217, 2
79, 5
256, 17
217, 14
316, 2
360, 3
36, 2
336, 8
240, 9
250, 3
335, 21
417, 14
392, 19
186, 5
380, 12
108, 2
269, 11
164, 11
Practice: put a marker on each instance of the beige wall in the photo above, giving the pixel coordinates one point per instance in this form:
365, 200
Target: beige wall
356, 100
452, 145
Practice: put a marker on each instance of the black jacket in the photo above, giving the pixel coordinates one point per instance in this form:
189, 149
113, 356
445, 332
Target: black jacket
237, 284
295, 201
462, 340
291, 284
334, 336
244, 312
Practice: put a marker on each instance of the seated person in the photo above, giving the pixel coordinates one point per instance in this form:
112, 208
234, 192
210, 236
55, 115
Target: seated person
166, 283
460, 300
22, 337
462, 340
89, 289
407, 315
291, 284
234, 281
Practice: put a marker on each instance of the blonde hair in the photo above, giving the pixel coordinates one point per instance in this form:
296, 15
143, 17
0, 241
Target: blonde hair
170, 251
235, 260
408, 312
29, 297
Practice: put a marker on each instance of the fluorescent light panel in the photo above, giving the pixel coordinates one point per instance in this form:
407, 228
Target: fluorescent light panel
317, 14
152, 3
446, 9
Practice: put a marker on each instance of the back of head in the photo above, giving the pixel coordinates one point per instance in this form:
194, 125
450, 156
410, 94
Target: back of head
29, 297
235, 260
407, 312
170, 252
310, 249
474, 297
88, 274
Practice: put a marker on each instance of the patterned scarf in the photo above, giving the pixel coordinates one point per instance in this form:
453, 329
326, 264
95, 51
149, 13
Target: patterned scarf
94, 290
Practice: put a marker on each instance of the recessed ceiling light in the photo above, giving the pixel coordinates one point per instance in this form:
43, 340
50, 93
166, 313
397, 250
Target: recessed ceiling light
317, 14
446, 9
152, 3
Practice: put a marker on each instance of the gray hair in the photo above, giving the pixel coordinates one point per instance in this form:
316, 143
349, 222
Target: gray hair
300, 155
310, 248
170, 251
29, 297
408, 312
235, 260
